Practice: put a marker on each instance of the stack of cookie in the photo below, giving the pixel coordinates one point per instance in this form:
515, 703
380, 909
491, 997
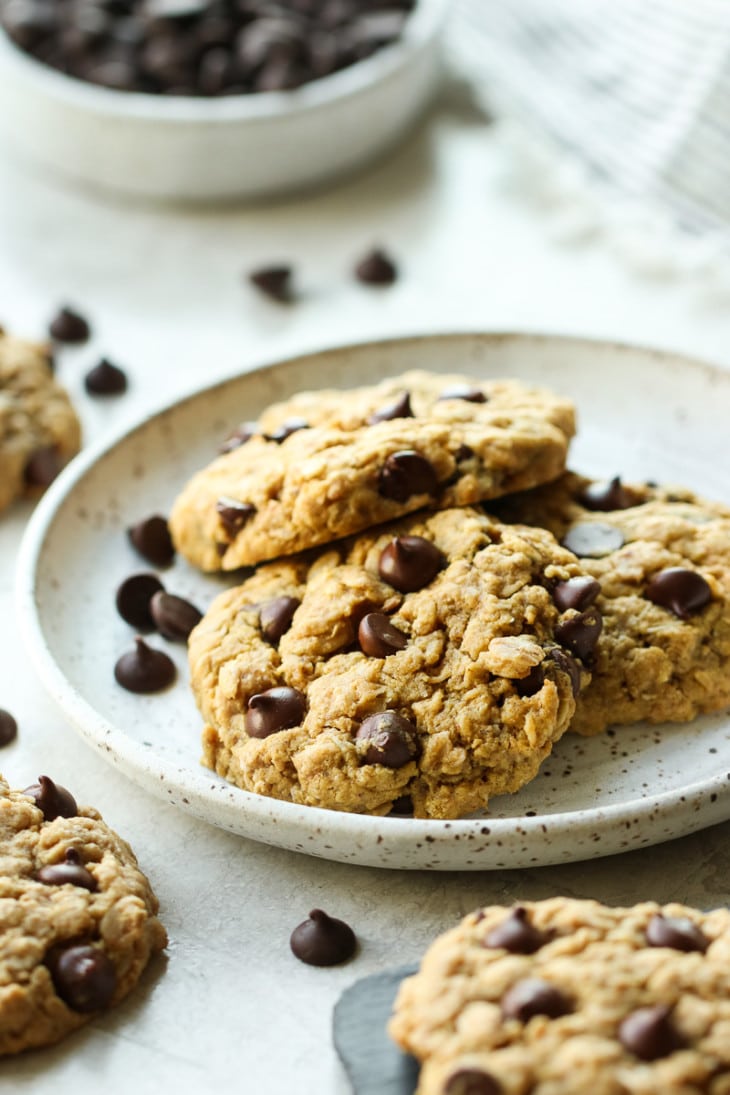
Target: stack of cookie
399, 649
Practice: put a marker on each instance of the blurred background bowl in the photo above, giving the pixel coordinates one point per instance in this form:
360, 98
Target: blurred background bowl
212, 149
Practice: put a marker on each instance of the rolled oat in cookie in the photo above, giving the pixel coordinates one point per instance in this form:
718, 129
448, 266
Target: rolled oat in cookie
326, 464
427, 659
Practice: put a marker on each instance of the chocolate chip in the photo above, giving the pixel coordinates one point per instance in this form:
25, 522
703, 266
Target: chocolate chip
286, 429
677, 932
580, 633
593, 539
52, 799
388, 739
465, 392
406, 473
242, 433
607, 496
576, 593
233, 514
151, 538
144, 669
70, 873
42, 467
274, 710
648, 1033
376, 268
275, 617
684, 592
323, 940
531, 684
567, 664
472, 1081
516, 934
275, 282
378, 637
401, 408
409, 563
69, 326
105, 379
8, 728
402, 807
133, 600
174, 617
83, 976
533, 996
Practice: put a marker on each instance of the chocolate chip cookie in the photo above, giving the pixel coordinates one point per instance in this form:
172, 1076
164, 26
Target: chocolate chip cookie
327, 464
565, 996
660, 560
426, 660
78, 917
39, 430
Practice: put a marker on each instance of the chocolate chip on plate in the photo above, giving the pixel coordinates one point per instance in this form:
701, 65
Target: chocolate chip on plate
42, 467
322, 940
677, 932
649, 1033
684, 592
592, 539
133, 600
151, 538
472, 1081
567, 664
606, 496
388, 739
378, 637
516, 934
105, 379
234, 514
8, 728
463, 391
275, 617
144, 669
242, 433
530, 684
409, 563
173, 616
286, 429
400, 408
578, 593
533, 996
70, 872
69, 326
52, 799
275, 709
580, 633
83, 976
406, 473
376, 268
275, 282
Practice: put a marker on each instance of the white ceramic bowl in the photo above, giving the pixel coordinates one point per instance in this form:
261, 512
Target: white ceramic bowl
242, 146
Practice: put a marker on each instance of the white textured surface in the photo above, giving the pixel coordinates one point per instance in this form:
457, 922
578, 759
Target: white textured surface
166, 294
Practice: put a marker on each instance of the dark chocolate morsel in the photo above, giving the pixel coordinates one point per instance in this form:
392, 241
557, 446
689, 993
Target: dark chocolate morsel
51, 799
242, 433
472, 1081
567, 664
388, 739
592, 539
401, 408
463, 391
275, 282
533, 996
580, 633
576, 593
323, 940
376, 268
133, 600
677, 932
606, 496
69, 326
402, 807
233, 514
69, 873
649, 1034
151, 538
8, 728
409, 563
273, 710
144, 669
531, 684
42, 467
275, 617
378, 637
83, 976
684, 592
406, 473
516, 934
286, 429
174, 617
105, 379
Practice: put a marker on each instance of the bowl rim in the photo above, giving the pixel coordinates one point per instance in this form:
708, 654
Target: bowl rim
421, 28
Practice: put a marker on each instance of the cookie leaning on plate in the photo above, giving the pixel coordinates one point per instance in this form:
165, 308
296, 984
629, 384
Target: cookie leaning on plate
39, 430
326, 464
78, 919
420, 659
662, 558
566, 996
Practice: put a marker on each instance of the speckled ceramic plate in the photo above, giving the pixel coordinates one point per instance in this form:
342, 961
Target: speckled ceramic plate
641, 414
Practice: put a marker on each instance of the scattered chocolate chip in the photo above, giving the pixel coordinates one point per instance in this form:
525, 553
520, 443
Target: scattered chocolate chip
133, 600
275, 282
677, 932
568, 665
401, 408
83, 976
275, 617
378, 637
242, 433
322, 940
472, 1081
174, 617
71, 872
531, 684
389, 739
576, 593
516, 934
580, 633
406, 473
533, 996
42, 467
463, 391
607, 496
683, 592
648, 1033
274, 710
52, 799
464, 452
8, 728
376, 268
69, 326
402, 807
592, 539
233, 514
151, 538
286, 429
409, 563
144, 669
105, 379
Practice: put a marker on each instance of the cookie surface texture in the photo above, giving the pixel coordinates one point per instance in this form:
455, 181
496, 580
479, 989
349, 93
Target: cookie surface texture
39, 429
78, 920
663, 563
567, 996
417, 660
327, 464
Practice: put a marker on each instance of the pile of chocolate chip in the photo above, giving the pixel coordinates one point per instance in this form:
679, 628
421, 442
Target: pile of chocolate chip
202, 47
